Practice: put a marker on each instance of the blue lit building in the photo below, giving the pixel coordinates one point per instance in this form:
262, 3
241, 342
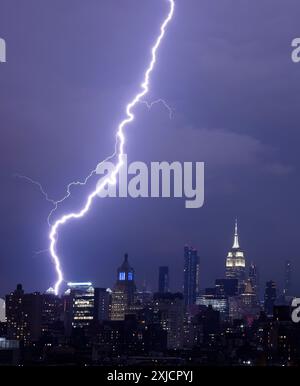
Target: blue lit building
122, 296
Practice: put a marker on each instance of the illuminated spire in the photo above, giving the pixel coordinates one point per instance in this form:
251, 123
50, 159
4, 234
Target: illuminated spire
236, 236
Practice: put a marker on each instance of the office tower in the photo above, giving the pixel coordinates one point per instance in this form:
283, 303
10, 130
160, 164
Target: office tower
254, 278
143, 297
24, 315
122, 296
104, 303
270, 297
191, 275
218, 303
204, 328
287, 278
226, 287
235, 262
81, 306
244, 306
171, 309
248, 297
52, 312
163, 280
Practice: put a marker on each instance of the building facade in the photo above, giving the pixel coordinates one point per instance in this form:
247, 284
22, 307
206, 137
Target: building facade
171, 310
123, 294
163, 279
81, 306
270, 297
287, 278
254, 278
24, 315
191, 275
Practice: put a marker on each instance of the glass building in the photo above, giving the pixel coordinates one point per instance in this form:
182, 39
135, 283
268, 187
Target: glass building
191, 275
82, 303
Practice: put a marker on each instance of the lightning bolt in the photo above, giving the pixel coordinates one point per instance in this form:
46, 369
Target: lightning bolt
39, 185
163, 102
94, 171
119, 152
68, 193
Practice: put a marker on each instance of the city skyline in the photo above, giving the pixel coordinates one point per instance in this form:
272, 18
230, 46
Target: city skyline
127, 325
179, 287
229, 323
191, 285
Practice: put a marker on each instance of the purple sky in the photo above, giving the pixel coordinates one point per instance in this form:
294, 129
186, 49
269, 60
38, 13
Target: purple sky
225, 68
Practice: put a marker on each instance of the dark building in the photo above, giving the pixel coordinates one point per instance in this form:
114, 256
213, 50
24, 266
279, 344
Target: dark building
52, 324
254, 278
130, 336
211, 291
191, 275
270, 297
104, 304
171, 310
163, 279
52, 309
123, 294
206, 326
226, 287
287, 278
282, 313
143, 297
24, 315
217, 302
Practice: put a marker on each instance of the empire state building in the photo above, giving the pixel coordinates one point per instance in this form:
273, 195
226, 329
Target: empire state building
235, 261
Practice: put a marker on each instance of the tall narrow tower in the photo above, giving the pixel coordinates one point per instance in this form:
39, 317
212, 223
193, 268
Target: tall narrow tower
287, 278
163, 279
122, 295
235, 261
254, 278
191, 275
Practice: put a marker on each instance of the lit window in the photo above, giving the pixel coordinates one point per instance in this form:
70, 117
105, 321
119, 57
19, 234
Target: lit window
122, 276
130, 276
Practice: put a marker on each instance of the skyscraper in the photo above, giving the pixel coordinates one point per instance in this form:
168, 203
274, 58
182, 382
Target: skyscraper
104, 303
235, 261
270, 297
24, 315
123, 293
287, 278
254, 278
81, 305
191, 275
163, 280
52, 311
248, 297
171, 309
226, 287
